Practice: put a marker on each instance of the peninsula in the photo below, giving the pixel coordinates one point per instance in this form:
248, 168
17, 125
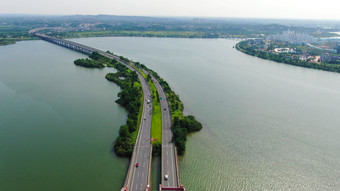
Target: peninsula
139, 84
295, 49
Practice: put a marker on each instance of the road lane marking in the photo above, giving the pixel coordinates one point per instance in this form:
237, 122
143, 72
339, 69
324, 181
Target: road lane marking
173, 174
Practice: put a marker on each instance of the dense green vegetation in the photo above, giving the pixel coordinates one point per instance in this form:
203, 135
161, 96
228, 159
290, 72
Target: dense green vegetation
124, 59
242, 46
96, 61
130, 97
182, 125
88, 63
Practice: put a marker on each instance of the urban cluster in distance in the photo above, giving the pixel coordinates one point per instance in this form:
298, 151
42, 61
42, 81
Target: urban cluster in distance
304, 47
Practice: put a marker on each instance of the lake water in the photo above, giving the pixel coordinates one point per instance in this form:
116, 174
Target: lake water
57, 122
267, 126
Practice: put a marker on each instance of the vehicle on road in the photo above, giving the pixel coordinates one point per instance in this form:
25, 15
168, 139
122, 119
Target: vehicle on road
137, 164
166, 177
164, 109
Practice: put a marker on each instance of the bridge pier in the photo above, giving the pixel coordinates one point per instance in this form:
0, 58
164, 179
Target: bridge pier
181, 188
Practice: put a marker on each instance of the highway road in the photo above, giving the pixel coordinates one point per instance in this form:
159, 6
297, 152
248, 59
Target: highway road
169, 157
138, 178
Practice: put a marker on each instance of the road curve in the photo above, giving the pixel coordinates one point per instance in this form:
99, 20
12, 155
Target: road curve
169, 155
138, 178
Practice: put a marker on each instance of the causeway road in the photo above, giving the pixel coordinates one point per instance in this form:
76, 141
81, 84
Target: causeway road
138, 177
169, 155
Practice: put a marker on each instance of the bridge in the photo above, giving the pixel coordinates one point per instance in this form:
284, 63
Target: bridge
139, 178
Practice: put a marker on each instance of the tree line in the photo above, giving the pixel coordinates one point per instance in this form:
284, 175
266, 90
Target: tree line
181, 125
129, 97
96, 61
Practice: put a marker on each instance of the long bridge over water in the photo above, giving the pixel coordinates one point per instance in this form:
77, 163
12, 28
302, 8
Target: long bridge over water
138, 179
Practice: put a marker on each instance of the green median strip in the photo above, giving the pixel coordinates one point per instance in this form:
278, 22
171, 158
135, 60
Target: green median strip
156, 129
156, 126
181, 125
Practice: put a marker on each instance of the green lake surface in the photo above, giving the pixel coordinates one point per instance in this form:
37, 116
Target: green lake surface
267, 126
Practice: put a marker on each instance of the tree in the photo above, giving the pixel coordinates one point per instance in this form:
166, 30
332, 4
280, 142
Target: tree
148, 78
124, 131
190, 123
134, 76
137, 64
131, 124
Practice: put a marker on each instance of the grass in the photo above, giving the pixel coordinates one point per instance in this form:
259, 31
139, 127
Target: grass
140, 71
156, 127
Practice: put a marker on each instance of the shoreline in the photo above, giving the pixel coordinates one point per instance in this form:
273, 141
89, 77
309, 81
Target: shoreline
280, 59
140, 36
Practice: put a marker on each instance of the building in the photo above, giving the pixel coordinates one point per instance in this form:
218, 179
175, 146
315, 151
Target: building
292, 37
284, 50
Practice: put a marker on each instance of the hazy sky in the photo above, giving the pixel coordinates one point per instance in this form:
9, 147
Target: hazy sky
303, 9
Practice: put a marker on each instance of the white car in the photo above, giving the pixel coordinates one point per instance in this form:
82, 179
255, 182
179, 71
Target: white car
166, 177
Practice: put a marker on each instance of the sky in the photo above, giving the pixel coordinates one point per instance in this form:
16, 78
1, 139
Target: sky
283, 9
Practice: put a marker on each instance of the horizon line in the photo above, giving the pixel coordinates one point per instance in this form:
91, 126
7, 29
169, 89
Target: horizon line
164, 16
